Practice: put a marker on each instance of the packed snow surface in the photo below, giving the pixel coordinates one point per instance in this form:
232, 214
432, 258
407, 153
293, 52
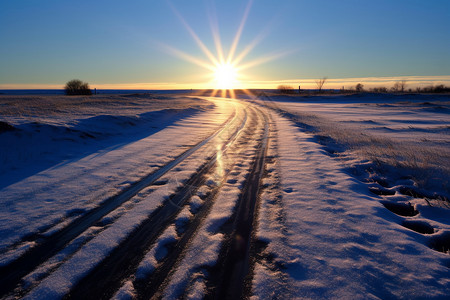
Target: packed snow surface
321, 233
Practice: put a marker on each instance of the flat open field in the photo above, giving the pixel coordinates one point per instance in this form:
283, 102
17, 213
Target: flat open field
172, 196
408, 132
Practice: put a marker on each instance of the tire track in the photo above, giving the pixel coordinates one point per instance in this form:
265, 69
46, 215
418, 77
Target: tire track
122, 262
152, 287
73, 175
233, 279
12, 273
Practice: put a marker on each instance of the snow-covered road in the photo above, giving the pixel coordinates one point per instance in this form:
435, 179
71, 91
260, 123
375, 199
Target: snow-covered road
227, 202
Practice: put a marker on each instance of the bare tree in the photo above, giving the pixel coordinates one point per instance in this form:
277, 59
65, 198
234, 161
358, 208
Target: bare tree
320, 83
402, 85
399, 86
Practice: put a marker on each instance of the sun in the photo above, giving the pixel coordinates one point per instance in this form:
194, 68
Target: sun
225, 77
226, 67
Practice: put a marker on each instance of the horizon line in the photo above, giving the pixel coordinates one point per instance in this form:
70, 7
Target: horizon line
305, 83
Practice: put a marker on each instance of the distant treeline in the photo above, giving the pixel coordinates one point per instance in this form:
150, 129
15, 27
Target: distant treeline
398, 87
402, 89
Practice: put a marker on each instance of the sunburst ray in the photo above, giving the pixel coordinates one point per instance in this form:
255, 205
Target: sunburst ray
225, 73
199, 42
239, 32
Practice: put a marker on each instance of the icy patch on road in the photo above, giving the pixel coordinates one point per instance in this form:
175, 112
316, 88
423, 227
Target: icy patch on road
203, 252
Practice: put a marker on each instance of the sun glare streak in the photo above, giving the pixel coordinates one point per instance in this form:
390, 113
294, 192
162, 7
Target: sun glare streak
232, 94
214, 93
254, 42
188, 57
239, 32
248, 93
195, 36
215, 33
262, 60
247, 50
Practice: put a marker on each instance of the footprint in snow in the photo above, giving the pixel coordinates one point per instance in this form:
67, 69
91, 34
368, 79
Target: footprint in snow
288, 190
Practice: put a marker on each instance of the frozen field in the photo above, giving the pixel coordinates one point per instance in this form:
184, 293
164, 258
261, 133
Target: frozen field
54, 129
408, 118
274, 197
409, 132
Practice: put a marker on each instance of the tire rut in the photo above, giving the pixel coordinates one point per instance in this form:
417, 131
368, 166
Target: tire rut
232, 281
12, 273
153, 286
105, 279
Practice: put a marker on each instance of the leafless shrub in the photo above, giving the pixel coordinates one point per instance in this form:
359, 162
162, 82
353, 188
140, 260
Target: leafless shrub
77, 87
359, 87
285, 89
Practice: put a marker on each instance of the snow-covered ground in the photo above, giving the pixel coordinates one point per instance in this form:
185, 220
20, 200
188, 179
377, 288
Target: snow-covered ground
51, 198
406, 118
49, 130
408, 132
321, 232
328, 237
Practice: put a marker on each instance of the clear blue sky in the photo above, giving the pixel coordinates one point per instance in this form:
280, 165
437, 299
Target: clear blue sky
47, 42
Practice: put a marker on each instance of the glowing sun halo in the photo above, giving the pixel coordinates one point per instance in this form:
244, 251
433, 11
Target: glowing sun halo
225, 76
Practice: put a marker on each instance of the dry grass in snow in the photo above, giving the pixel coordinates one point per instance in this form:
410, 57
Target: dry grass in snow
399, 153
